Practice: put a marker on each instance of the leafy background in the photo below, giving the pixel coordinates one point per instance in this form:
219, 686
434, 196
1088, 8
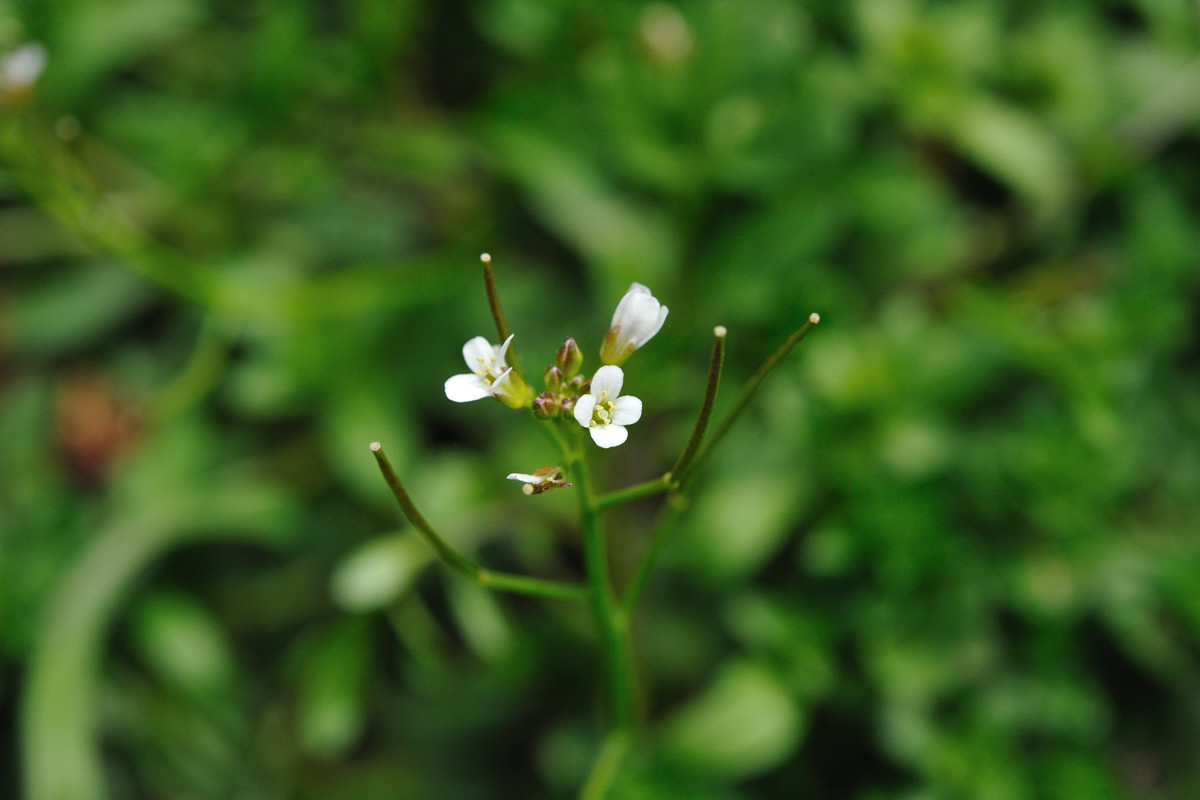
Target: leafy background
951, 553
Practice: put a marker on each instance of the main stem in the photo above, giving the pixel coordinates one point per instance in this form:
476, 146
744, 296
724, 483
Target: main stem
611, 620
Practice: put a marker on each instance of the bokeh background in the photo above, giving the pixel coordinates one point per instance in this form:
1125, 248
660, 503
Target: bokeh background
953, 551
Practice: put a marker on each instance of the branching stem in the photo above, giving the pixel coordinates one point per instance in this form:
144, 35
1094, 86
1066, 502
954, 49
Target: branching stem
687, 464
503, 581
636, 492
751, 388
611, 620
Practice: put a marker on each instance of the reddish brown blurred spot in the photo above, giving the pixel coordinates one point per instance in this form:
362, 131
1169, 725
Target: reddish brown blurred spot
92, 426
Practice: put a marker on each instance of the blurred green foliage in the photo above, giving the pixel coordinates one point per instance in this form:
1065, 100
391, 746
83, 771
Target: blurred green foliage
954, 552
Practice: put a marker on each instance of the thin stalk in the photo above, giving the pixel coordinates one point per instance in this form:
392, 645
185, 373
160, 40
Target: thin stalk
635, 492
493, 296
502, 581
659, 539
751, 389
199, 376
611, 621
534, 587
679, 471
60, 184
676, 501
553, 429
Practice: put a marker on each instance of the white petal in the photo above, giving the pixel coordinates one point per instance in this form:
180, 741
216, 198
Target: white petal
500, 384
636, 290
655, 326
609, 435
475, 350
583, 409
522, 476
639, 316
502, 350
466, 387
607, 379
626, 410
643, 309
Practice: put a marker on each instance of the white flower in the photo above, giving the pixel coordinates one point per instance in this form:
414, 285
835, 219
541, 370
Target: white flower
543, 479
490, 375
21, 68
604, 412
638, 317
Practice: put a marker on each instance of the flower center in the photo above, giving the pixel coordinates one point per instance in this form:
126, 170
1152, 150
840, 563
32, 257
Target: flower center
487, 369
602, 414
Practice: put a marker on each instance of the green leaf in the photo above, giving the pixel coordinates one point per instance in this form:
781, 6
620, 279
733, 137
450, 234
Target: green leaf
77, 308
743, 724
183, 643
61, 757
740, 522
333, 668
1017, 148
379, 572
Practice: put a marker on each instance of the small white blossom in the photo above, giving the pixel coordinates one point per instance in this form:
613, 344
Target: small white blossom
604, 412
22, 67
490, 375
638, 317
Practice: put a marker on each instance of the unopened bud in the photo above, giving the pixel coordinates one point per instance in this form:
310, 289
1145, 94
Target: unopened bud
639, 316
545, 406
553, 377
569, 358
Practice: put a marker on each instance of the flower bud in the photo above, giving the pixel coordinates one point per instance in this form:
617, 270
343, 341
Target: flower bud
553, 377
638, 317
545, 406
569, 358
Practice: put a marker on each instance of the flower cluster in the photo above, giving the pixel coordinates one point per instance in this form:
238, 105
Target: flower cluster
596, 403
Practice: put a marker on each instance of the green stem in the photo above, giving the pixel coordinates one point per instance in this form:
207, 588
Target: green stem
659, 539
611, 620
751, 389
502, 329
534, 587
671, 480
635, 492
679, 471
501, 581
683, 471
606, 765
200, 375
